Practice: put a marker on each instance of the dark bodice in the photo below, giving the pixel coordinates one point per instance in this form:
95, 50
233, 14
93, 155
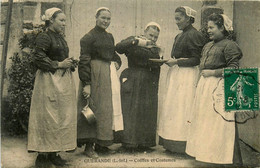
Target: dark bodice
138, 56
51, 48
188, 44
221, 54
97, 44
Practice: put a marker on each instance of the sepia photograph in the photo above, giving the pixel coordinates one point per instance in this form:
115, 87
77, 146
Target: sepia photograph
130, 83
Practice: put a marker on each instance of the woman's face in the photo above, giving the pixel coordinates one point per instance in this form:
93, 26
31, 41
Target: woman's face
103, 20
58, 24
214, 31
181, 20
151, 34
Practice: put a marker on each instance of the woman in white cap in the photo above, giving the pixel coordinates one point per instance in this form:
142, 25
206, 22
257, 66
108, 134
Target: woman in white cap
98, 79
181, 82
213, 138
52, 121
139, 89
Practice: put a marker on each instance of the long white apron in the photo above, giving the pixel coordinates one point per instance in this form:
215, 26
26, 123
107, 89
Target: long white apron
176, 112
116, 100
53, 113
211, 138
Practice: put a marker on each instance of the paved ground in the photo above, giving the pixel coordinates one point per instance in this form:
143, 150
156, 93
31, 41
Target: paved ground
14, 155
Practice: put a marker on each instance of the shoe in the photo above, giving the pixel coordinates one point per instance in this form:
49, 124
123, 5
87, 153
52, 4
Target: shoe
103, 150
123, 149
89, 151
56, 159
144, 149
43, 162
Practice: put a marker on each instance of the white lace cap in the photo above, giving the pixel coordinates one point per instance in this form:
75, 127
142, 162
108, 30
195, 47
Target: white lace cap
227, 23
153, 24
189, 11
49, 12
102, 8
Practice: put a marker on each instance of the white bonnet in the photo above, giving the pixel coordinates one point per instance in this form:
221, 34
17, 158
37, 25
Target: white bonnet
102, 8
189, 11
49, 13
153, 24
227, 23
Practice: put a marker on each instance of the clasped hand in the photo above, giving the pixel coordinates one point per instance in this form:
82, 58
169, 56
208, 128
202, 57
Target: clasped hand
68, 62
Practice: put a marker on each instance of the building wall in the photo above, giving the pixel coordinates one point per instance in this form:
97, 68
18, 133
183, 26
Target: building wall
247, 26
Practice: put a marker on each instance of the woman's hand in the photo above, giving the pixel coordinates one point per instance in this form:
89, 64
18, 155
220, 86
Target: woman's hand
75, 63
150, 42
86, 91
117, 65
67, 63
171, 62
207, 73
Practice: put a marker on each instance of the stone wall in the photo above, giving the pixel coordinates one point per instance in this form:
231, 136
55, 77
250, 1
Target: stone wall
247, 26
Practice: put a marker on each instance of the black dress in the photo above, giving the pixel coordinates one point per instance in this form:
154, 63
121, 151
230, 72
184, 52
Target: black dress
139, 93
96, 54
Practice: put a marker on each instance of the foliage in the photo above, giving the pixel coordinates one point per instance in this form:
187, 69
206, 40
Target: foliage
21, 76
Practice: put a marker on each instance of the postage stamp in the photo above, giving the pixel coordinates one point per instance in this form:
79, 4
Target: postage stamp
241, 89
236, 97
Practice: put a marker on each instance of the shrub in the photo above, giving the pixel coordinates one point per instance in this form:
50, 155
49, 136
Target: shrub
21, 76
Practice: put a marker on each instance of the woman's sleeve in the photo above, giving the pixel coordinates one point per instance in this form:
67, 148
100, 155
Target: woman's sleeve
84, 68
41, 59
154, 54
143, 54
195, 44
123, 46
232, 55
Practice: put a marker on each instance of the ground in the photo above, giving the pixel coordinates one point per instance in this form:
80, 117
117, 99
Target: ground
15, 155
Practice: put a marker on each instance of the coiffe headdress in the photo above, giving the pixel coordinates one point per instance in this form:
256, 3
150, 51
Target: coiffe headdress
49, 13
189, 11
153, 24
102, 8
227, 23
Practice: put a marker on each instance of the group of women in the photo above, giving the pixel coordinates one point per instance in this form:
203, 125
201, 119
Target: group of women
189, 122
188, 119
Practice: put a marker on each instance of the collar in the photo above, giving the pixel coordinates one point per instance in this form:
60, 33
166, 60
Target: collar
99, 29
218, 40
55, 33
187, 28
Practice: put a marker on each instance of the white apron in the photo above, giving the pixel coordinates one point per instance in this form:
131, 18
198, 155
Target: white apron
53, 113
116, 100
176, 111
211, 138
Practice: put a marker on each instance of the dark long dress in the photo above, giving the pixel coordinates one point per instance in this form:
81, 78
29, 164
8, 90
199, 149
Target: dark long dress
139, 93
97, 52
